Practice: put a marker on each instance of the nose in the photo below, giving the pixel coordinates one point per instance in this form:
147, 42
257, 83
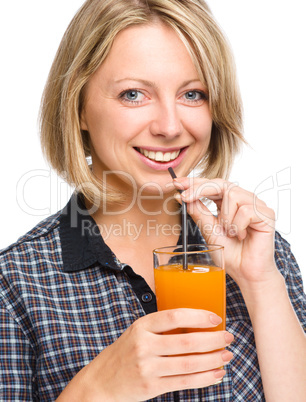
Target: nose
166, 121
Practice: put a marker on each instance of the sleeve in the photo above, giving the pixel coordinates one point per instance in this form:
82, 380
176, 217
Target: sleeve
289, 268
17, 361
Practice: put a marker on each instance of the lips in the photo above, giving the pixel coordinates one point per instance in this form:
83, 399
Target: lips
160, 156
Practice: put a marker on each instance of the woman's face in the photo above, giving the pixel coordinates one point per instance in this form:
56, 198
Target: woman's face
146, 110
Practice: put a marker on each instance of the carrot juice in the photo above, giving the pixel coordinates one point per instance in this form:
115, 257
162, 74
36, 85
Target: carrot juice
199, 286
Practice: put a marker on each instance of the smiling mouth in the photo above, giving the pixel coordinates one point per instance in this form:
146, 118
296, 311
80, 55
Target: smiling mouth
159, 156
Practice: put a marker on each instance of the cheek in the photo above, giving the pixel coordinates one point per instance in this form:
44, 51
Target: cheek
199, 124
117, 123
134, 119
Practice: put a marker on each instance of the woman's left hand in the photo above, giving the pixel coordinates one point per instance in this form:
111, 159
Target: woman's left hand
244, 226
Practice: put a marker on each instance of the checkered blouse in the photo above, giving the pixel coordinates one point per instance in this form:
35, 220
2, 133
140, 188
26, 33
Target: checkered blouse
64, 297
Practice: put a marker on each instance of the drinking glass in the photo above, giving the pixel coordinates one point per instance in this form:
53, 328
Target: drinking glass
199, 284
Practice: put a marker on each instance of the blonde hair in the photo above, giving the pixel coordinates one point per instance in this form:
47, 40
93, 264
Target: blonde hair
86, 44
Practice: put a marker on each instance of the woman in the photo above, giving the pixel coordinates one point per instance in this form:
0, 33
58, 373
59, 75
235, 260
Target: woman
140, 86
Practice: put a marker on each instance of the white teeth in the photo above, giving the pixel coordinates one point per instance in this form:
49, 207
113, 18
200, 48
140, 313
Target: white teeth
167, 157
159, 156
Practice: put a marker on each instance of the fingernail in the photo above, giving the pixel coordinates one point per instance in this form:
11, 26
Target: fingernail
228, 337
219, 373
215, 319
227, 356
232, 230
177, 196
178, 185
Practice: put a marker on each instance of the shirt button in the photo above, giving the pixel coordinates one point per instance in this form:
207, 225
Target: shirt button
146, 297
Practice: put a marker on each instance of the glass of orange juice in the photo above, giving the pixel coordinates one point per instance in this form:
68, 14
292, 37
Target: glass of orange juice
194, 278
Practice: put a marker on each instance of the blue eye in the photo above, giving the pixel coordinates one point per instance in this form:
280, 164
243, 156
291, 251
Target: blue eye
132, 96
191, 95
194, 95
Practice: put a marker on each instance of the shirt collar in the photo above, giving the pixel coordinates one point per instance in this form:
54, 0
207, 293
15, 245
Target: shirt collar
82, 243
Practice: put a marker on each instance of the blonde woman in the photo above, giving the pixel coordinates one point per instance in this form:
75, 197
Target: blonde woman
138, 86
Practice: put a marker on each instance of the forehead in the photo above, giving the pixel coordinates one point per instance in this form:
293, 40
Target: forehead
151, 37
148, 50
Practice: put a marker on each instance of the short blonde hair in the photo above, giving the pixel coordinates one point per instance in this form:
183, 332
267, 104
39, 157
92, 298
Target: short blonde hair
85, 46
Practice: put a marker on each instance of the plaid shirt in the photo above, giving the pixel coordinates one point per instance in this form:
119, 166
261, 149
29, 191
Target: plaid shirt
64, 297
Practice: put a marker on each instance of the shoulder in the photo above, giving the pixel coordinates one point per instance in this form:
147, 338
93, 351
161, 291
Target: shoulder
28, 248
28, 266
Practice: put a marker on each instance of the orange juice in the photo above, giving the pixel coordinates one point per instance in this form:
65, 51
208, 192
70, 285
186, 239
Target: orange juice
200, 286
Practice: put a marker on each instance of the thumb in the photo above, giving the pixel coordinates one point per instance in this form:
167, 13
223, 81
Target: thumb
203, 218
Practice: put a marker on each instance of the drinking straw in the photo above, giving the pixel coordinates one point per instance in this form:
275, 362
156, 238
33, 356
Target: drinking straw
184, 224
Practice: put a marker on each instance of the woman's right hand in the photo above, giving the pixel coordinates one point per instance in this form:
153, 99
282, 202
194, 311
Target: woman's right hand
144, 362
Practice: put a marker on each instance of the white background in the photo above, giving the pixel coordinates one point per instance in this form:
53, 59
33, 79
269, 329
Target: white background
268, 39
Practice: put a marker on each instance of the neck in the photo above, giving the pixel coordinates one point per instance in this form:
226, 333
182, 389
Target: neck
143, 218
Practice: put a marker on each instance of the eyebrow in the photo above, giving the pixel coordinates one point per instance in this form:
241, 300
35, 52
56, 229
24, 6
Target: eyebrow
151, 83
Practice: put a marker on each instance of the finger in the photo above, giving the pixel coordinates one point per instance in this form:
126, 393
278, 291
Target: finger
178, 365
200, 212
191, 381
206, 222
168, 320
229, 197
185, 182
233, 198
195, 189
230, 205
261, 220
194, 342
